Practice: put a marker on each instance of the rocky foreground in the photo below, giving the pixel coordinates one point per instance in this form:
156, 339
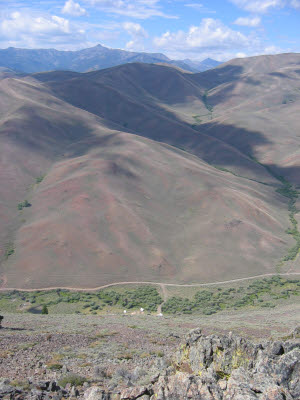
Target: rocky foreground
214, 367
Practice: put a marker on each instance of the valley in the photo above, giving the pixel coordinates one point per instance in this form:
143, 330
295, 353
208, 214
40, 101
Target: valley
149, 200
137, 203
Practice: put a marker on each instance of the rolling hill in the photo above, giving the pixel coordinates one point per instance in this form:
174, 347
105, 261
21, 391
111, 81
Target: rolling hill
144, 172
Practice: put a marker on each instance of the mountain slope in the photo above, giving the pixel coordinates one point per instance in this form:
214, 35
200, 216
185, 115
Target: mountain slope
146, 107
131, 190
249, 113
256, 109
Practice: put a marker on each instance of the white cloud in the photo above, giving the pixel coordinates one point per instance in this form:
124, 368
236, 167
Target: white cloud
31, 28
23, 29
295, 3
263, 6
272, 50
199, 7
241, 55
25, 24
248, 21
196, 6
137, 33
211, 36
134, 29
258, 6
73, 8
141, 9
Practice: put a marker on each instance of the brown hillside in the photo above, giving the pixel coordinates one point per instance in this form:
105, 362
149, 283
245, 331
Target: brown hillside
118, 203
117, 100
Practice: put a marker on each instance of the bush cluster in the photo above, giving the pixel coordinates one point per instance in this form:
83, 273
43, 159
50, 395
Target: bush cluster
288, 191
146, 297
24, 204
258, 293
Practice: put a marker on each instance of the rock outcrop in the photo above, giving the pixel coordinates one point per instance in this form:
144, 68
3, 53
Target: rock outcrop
229, 368
215, 367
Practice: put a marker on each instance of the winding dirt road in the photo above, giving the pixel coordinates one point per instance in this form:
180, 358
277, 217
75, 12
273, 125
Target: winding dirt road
161, 284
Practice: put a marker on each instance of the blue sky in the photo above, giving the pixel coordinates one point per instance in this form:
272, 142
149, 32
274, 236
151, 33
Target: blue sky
220, 29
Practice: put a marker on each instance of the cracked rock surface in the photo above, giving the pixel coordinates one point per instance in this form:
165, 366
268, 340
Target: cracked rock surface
214, 367
229, 367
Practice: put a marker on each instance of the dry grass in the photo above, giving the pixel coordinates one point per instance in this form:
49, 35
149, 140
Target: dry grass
73, 343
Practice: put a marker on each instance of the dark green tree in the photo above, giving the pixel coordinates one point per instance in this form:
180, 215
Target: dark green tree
45, 310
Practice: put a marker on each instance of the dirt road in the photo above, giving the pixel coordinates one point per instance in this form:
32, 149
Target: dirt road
162, 284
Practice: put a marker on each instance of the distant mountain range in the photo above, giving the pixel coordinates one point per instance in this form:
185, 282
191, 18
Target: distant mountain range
91, 59
202, 66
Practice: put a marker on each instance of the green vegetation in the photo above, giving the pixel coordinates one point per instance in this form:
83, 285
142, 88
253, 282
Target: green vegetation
146, 297
260, 293
9, 250
39, 179
105, 334
24, 384
224, 169
24, 204
289, 191
60, 300
205, 101
73, 379
45, 310
55, 367
197, 119
235, 174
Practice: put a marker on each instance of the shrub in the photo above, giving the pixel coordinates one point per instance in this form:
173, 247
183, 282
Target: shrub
9, 251
205, 101
124, 374
45, 310
146, 297
55, 367
39, 179
125, 356
24, 204
73, 379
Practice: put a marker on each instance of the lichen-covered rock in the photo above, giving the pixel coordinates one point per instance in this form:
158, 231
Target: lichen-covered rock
95, 393
215, 367
229, 367
136, 393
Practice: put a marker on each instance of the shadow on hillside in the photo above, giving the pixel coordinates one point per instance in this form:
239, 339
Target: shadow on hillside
221, 144
57, 76
279, 75
217, 76
242, 139
246, 142
53, 134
